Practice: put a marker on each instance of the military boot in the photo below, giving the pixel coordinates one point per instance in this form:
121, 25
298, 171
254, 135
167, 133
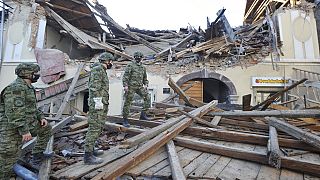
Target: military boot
143, 116
37, 160
90, 159
126, 123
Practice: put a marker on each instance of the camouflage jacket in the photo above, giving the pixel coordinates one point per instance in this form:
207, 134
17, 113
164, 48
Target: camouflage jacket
19, 106
135, 75
98, 84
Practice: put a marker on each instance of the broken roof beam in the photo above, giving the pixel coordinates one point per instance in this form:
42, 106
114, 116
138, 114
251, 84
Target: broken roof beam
179, 44
122, 165
105, 16
308, 113
268, 101
69, 10
226, 25
82, 37
176, 169
175, 94
286, 162
154, 38
183, 95
296, 132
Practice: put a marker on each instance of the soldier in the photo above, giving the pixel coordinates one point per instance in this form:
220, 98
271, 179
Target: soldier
20, 120
135, 81
98, 106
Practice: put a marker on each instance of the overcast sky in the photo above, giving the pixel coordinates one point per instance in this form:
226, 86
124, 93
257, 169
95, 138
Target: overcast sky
172, 14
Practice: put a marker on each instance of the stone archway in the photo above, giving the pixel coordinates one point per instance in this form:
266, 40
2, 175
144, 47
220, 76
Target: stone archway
205, 76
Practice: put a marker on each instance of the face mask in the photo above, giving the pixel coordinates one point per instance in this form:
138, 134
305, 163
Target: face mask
109, 65
138, 60
35, 78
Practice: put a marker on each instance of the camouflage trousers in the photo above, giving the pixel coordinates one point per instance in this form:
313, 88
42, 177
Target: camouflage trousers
96, 121
142, 92
11, 143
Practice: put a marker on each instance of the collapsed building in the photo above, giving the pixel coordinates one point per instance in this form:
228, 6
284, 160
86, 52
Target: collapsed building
272, 58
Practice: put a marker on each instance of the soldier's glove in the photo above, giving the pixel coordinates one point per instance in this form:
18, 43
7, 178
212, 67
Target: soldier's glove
98, 103
126, 89
145, 87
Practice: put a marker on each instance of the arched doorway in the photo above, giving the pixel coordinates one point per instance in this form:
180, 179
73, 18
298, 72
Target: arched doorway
208, 86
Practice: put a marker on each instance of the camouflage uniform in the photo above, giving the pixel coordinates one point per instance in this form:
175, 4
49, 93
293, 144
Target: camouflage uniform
135, 77
98, 104
18, 116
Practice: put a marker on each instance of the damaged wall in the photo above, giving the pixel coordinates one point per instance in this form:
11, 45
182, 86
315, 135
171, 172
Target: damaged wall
298, 33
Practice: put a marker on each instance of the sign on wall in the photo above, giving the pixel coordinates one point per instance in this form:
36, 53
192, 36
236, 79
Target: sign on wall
270, 81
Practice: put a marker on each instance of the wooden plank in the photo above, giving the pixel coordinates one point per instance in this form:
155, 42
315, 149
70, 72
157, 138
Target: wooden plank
268, 173
312, 113
288, 163
204, 167
156, 130
79, 169
199, 120
176, 169
120, 166
218, 167
69, 92
185, 156
246, 102
239, 169
290, 175
79, 125
231, 136
158, 157
274, 153
195, 163
296, 132
216, 119
45, 167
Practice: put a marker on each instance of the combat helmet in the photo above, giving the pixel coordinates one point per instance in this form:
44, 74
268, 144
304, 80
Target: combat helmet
138, 55
26, 69
105, 56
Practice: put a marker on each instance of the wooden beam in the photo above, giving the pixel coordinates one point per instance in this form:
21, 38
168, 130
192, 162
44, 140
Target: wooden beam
261, 158
246, 102
128, 143
225, 135
183, 95
45, 167
216, 119
166, 51
120, 166
310, 113
199, 120
184, 90
274, 153
69, 92
69, 10
176, 168
296, 132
